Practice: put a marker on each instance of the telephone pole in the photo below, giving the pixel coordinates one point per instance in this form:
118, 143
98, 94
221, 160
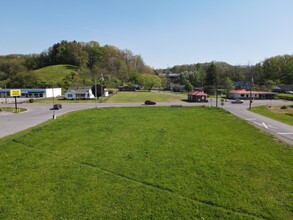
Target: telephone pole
96, 98
251, 85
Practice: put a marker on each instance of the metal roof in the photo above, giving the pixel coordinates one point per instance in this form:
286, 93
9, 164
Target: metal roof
197, 93
25, 90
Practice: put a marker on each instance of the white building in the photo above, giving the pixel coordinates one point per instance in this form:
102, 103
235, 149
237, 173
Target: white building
245, 94
33, 93
79, 94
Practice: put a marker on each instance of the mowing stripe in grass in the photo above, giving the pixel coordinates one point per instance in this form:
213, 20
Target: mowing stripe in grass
147, 184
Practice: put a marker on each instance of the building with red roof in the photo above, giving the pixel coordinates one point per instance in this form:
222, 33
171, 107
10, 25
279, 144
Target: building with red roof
197, 96
245, 94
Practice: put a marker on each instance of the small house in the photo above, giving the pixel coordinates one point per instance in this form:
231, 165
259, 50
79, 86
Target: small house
176, 87
85, 93
282, 88
197, 96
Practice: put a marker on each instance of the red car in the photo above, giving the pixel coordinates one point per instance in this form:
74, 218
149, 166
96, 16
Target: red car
149, 102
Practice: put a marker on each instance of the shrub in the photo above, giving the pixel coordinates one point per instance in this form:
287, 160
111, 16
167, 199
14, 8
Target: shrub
31, 100
284, 107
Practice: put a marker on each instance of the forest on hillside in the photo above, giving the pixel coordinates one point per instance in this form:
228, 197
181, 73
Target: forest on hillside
114, 67
272, 71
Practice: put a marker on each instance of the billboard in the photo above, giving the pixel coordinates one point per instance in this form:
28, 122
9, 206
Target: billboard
15, 92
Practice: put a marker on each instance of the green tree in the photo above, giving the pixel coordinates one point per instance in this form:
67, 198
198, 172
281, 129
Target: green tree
228, 85
212, 75
23, 80
149, 81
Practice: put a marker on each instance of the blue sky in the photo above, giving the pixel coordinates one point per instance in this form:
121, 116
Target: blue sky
164, 32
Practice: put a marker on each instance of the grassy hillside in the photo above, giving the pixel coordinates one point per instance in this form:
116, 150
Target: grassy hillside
145, 163
54, 73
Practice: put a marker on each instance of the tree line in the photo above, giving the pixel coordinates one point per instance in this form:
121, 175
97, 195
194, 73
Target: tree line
114, 67
272, 71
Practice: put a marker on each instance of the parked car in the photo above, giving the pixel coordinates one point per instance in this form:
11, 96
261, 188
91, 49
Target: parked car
57, 106
237, 101
149, 102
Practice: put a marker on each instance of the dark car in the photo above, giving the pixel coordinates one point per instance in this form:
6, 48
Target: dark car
237, 101
57, 106
149, 102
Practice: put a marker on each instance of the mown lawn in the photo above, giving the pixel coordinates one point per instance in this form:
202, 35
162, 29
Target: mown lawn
276, 113
286, 96
145, 163
140, 97
63, 101
55, 73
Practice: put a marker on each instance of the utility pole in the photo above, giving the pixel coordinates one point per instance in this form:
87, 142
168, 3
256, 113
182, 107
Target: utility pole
96, 98
5, 95
54, 116
251, 85
216, 94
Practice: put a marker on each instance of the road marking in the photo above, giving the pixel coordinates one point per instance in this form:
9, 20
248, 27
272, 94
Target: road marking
265, 125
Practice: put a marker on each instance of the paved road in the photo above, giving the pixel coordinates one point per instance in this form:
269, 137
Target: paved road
279, 129
37, 113
11, 123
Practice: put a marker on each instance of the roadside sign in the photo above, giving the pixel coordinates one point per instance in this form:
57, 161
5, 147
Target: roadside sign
15, 92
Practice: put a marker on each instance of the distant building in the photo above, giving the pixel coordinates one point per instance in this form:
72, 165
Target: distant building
169, 75
172, 81
85, 93
33, 93
197, 96
282, 88
242, 85
245, 94
176, 87
173, 75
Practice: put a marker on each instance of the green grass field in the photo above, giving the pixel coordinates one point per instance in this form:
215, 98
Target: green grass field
140, 97
61, 100
276, 113
285, 96
58, 71
145, 163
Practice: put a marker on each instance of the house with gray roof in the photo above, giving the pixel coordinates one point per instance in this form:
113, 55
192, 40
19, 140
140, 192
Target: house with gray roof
85, 93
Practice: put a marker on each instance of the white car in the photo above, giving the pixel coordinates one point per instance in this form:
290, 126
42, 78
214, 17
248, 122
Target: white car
237, 101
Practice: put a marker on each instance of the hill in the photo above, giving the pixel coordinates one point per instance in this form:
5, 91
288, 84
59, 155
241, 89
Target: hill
55, 73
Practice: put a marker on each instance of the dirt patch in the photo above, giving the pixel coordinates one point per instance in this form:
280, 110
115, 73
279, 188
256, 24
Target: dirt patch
278, 109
